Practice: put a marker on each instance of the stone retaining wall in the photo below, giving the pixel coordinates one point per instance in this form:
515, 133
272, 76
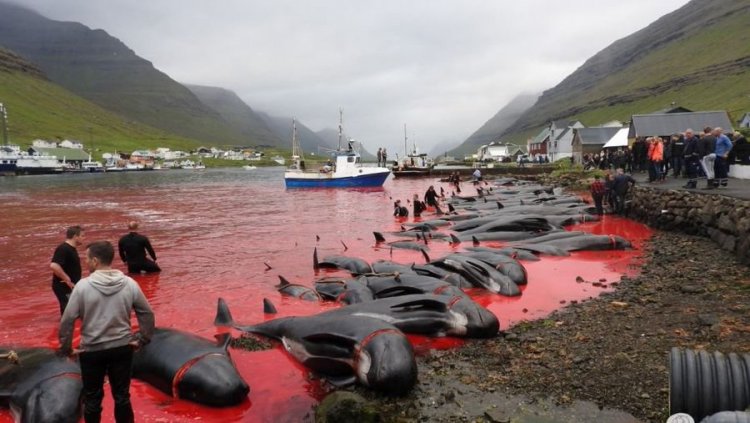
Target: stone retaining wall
723, 219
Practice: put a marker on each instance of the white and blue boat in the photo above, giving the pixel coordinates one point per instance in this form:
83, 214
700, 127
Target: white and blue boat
343, 170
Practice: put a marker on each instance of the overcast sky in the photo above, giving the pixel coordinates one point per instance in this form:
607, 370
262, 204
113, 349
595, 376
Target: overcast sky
441, 67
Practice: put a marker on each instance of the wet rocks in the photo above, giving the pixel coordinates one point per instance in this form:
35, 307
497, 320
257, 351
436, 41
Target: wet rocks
346, 407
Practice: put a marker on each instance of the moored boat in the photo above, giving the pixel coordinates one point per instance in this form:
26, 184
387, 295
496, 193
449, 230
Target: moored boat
344, 167
413, 163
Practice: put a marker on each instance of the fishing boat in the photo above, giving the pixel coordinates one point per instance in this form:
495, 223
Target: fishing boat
413, 163
92, 166
343, 169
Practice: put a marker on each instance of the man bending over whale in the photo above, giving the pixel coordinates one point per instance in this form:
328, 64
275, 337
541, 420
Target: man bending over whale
133, 248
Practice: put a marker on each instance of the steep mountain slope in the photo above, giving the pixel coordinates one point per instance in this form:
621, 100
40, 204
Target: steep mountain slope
697, 56
100, 68
282, 128
38, 108
238, 114
493, 128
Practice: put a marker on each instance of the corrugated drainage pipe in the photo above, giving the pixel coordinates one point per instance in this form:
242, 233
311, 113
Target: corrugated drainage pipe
702, 383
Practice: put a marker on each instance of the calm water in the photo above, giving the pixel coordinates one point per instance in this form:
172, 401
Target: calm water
213, 231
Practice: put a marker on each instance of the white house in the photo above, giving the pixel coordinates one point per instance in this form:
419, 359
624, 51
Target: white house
498, 151
71, 144
745, 121
561, 138
43, 144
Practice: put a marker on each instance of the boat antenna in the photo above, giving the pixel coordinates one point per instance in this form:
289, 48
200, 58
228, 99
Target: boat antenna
341, 126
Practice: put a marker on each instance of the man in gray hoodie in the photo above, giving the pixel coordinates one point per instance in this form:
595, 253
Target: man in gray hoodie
104, 301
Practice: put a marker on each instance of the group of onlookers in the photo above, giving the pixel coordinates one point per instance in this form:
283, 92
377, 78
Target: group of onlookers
708, 154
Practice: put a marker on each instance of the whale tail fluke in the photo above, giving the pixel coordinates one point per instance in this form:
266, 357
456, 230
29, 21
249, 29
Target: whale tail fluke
223, 315
379, 237
268, 307
223, 340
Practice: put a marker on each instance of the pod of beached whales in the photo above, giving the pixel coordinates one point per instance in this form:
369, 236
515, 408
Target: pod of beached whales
363, 341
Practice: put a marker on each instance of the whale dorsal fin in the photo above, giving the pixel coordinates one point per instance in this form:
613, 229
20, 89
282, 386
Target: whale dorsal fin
282, 282
379, 237
223, 315
268, 307
422, 303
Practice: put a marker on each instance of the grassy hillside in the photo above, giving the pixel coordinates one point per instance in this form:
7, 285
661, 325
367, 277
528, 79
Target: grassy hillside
38, 108
100, 68
696, 57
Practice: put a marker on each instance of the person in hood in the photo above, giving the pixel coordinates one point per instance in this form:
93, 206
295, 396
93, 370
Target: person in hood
104, 302
133, 248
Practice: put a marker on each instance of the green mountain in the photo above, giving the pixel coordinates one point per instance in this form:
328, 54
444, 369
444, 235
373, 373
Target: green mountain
100, 68
697, 57
493, 128
238, 114
38, 108
282, 128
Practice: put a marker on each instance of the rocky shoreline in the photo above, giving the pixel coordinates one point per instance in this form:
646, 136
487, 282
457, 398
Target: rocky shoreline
604, 360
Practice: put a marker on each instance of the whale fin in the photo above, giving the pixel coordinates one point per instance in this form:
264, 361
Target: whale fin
475, 241
421, 304
268, 307
500, 205
268, 266
282, 282
345, 247
397, 291
454, 239
223, 315
425, 237
485, 199
316, 265
317, 238
223, 340
331, 338
379, 237
425, 255
451, 208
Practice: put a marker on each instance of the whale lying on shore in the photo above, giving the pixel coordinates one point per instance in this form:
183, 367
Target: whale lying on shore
190, 367
344, 350
356, 266
41, 387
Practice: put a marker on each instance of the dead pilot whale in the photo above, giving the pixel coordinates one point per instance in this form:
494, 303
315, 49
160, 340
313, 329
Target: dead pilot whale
41, 387
344, 350
190, 367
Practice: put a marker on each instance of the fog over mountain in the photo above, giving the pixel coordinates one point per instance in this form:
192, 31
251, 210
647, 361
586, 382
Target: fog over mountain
442, 67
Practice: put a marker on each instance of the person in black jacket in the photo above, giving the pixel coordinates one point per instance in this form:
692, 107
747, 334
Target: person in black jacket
133, 248
678, 154
741, 149
691, 154
66, 265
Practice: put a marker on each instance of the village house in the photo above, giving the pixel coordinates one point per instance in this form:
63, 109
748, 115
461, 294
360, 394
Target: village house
499, 152
745, 121
539, 145
590, 141
560, 144
666, 124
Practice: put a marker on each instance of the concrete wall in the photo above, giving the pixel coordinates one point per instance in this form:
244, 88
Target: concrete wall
723, 219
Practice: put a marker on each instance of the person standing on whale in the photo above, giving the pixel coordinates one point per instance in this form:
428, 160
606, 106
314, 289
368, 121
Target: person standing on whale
133, 248
104, 302
66, 265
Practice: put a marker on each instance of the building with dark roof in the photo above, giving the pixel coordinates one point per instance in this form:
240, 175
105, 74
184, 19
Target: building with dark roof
666, 124
590, 140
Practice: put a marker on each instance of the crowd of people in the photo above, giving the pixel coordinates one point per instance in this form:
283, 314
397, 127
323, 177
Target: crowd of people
708, 154
103, 302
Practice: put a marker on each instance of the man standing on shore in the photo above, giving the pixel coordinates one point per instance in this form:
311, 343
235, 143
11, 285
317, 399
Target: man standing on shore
721, 165
621, 186
691, 153
597, 194
133, 248
104, 302
66, 265
380, 156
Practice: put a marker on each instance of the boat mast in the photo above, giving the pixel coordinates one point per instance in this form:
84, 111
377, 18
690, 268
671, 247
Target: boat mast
341, 126
4, 117
406, 149
296, 147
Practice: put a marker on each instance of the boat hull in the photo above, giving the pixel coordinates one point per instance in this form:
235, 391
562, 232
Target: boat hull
324, 180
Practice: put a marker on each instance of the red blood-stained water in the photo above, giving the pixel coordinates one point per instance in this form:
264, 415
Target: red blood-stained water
213, 231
